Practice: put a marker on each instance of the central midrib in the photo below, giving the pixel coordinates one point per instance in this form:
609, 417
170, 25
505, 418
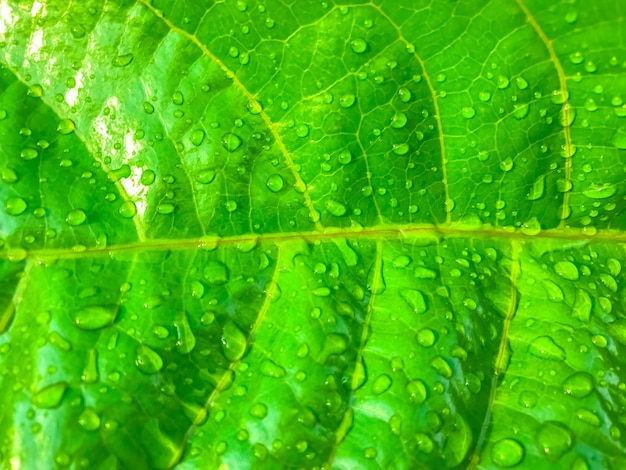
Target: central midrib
377, 232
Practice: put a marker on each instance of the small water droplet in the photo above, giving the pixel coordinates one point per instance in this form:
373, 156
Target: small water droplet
507, 453
231, 142
347, 101
468, 112
197, 137
567, 270
417, 391
404, 94
358, 45
95, 317
400, 149
148, 361
15, 206
128, 209
544, 347
275, 183
205, 176
123, 60
50, 396
76, 217
336, 208
381, 384
66, 126
89, 419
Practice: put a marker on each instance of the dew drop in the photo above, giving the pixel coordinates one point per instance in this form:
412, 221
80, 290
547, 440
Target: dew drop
578, 385
336, 208
502, 82
148, 361
600, 192
66, 126
165, 208
417, 391
400, 149
231, 142
537, 189
123, 60
76, 217
347, 101
15, 206
468, 112
544, 347
231, 206
148, 108
399, 120
29, 154
216, 273
302, 130
507, 453
95, 317
197, 137
404, 94
275, 183
89, 419
205, 176
567, 270
426, 337
345, 157
358, 45
381, 384
50, 396
128, 209
554, 440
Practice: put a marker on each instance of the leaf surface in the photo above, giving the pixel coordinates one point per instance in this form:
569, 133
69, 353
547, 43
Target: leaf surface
298, 234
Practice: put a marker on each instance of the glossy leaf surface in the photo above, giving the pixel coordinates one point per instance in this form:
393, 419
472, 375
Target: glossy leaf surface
307, 234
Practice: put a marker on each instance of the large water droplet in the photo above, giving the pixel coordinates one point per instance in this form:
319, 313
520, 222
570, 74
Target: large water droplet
507, 453
66, 126
89, 419
417, 391
336, 208
554, 439
545, 348
122, 60
275, 183
231, 142
381, 384
128, 209
15, 206
76, 217
148, 361
358, 45
186, 340
567, 270
415, 300
95, 317
578, 385
50, 396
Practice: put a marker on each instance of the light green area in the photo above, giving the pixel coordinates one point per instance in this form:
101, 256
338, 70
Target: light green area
303, 234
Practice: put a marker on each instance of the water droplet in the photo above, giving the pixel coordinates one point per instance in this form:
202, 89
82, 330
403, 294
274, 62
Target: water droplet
95, 317
205, 176
554, 439
66, 126
567, 115
231, 142
275, 183
531, 227
468, 112
381, 384
520, 111
258, 410
123, 60
426, 337
148, 108
216, 273
507, 453
78, 31
442, 367
231, 206
400, 149
336, 208
197, 137
128, 210
89, 419
50, 396
271, 369
578, 385
506, 164
567, 270
347, 101
36, 91
15, 206
553, 291
302, 130
537, 189
404, 94
321, 292
358, 45
415, 300
148, 361
502, 82
417, 391
402, 261
345, 157
399, 120
545, 348
521, 83
29, 154
582, 305
76, 217
600, 192
165, 208
9, 175
186, 340
484, 96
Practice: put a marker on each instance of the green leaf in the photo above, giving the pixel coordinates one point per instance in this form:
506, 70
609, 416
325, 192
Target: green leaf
312, 234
